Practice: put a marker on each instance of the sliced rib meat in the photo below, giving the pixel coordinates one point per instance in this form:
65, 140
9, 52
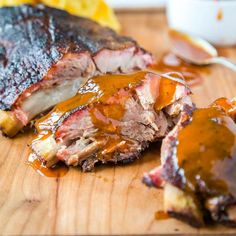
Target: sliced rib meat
198, 169
48, 53
112, 119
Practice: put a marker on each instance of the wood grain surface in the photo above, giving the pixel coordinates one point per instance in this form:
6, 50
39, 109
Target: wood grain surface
112, 200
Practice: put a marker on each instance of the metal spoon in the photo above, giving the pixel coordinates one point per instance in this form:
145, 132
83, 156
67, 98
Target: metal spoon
196, 50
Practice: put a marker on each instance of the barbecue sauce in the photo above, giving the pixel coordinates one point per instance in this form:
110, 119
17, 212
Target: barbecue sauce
58, 171
228, 106
223, 103
170, 62
220, 15
103, 89
167, 90
206, 150
109, 93
97, 89
183, 45
161, 215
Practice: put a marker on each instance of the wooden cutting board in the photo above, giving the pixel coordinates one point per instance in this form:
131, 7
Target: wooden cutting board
112, 200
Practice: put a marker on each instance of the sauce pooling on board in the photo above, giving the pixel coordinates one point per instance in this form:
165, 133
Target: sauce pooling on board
184, 46
170, 62
207, 151
161, 215
59, 171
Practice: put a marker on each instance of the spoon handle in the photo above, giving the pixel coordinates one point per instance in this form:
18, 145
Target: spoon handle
225, 62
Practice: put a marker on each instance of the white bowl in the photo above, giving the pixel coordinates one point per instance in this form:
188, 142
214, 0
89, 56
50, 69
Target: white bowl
213, 20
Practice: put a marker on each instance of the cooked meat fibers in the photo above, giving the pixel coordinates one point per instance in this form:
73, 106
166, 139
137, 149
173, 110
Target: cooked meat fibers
112, 119
47, 54
198, 170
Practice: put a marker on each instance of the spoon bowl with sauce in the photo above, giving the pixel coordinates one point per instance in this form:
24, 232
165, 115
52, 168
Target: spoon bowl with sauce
196, 51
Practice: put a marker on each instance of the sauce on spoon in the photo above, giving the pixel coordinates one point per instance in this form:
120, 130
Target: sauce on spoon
189, 48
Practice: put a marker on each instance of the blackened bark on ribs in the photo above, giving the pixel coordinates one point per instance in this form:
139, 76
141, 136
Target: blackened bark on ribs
34, 38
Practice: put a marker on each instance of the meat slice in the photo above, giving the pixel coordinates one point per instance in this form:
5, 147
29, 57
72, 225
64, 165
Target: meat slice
47, 54
198, 166
112, 119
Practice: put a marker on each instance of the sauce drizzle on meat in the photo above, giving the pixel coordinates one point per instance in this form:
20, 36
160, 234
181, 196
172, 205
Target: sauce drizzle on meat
104, 100
99, 89
206, 151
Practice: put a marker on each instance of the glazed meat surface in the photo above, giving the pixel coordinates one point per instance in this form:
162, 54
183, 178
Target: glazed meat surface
198, 166
112, 119
43, 48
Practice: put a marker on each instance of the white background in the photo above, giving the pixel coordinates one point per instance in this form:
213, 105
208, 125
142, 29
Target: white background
136, 3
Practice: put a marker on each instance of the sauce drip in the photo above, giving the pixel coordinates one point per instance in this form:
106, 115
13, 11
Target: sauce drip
58, 171
167, 90
219, 15
207, 151
170, 62
161, 215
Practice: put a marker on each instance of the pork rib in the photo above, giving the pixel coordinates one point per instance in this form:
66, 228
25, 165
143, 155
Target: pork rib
47, 54
112, 119
198, 166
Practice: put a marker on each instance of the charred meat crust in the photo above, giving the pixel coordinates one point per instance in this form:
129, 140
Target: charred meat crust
89, 164
188, 218
218, 209
34, 38
65, 117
